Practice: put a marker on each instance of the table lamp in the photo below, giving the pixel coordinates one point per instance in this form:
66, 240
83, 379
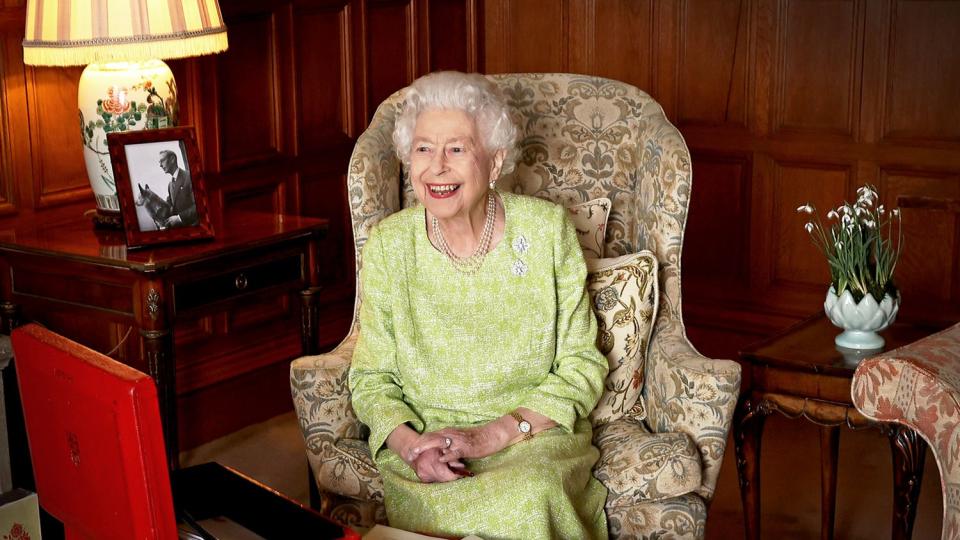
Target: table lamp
126, 86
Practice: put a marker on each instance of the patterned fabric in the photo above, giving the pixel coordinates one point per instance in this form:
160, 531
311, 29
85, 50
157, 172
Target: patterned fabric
442, 348
679, 518
590, 220
582, 138
639, 466
623, 294
918, 386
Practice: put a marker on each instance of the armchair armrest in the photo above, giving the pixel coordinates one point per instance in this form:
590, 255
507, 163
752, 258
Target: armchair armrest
690, 393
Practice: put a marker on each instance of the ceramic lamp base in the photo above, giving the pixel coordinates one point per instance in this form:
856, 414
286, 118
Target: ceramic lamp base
114, 98
859, 340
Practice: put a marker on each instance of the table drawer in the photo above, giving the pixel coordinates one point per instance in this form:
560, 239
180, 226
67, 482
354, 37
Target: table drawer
239, 281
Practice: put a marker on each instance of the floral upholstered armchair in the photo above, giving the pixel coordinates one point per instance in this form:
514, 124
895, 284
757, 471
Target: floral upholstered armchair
580, 138
918, 386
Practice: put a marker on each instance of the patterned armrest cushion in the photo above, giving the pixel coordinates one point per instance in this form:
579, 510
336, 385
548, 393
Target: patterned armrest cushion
638, 466
590, 221
623, 293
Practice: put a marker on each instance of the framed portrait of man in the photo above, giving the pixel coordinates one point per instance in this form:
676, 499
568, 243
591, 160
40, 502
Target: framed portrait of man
160, 185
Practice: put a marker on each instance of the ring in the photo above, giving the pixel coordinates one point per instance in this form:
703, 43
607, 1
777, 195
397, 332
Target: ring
447, 441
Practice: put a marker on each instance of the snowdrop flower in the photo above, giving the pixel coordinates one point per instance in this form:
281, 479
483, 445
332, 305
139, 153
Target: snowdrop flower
805, 209
869, 223
846, 220
833, 215
895, 212
808, 227
880, 209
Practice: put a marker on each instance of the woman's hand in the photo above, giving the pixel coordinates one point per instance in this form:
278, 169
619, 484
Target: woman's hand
430, 469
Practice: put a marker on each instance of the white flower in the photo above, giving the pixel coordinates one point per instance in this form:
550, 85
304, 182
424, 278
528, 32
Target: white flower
858, 211
805, 209
519, 268
869, 223
808, 227
846, 220
895, 212
521, 244
832, 214
880, 209
845, 210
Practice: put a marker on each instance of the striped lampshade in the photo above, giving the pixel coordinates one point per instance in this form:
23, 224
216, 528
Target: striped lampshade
73, 33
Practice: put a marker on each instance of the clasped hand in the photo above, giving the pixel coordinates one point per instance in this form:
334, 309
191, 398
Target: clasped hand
437, 456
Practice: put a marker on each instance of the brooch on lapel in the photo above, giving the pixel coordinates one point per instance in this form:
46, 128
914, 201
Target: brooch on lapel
519, 268
521, 244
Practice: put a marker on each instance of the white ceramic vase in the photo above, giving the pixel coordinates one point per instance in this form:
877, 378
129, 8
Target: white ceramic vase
860, 321
118, 97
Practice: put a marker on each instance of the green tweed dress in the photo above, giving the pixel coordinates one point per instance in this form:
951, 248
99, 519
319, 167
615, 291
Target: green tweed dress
438, 348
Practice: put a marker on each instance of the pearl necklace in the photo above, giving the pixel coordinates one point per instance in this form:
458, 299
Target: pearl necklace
470, 264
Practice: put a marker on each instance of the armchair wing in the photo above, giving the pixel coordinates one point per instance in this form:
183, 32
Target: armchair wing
918, 386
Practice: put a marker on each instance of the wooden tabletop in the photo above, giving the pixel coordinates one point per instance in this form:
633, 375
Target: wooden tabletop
78, 239
808, 346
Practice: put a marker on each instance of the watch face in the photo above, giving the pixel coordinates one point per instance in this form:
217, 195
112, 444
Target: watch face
524, 426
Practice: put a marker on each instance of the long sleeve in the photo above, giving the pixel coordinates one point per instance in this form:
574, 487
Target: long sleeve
377, 393
575, 382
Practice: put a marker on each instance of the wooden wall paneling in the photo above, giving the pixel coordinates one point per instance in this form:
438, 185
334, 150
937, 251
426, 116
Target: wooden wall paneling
923, 74
796, 261
526, 35
763, 36
615, 39
59, 173
874, 70
11, 71
254, 103
448, 35
322, 43
818, 64
927, 274
716, 247
713, 63
392, 58
257, 195
323, 192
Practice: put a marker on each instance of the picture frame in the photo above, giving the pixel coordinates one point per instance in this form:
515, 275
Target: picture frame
160, 185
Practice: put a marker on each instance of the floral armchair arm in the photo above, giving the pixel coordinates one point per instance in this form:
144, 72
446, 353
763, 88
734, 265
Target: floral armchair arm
321, 399
689, 393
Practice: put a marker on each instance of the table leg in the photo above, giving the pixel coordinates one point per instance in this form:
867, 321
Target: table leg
309, 320
158, 348
9, 317
829, 446
909, 451
747, 431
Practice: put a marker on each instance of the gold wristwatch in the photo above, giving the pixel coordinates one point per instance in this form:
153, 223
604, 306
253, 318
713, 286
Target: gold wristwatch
523, 426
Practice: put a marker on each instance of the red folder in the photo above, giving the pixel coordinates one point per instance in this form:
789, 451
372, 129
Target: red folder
93, 426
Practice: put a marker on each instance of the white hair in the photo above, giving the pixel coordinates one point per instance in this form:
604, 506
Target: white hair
469, 92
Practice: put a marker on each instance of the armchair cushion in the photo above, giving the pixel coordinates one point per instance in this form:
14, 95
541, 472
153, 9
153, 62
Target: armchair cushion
638, 466
623, 293
590, 221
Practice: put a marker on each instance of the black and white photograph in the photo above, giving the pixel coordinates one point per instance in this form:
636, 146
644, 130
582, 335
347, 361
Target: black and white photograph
160, 185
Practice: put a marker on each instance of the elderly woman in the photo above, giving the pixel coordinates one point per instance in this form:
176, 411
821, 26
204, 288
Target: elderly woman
476, 366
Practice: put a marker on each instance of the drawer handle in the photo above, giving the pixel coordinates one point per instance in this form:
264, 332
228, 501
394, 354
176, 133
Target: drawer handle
241, 282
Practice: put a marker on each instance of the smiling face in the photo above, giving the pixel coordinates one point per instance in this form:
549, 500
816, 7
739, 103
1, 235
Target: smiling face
449, 166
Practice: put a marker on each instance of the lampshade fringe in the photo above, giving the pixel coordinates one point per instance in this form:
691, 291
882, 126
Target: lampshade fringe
46, 54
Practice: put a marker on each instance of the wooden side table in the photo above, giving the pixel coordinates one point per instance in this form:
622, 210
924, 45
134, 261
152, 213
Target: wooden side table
71, 268
801, 373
